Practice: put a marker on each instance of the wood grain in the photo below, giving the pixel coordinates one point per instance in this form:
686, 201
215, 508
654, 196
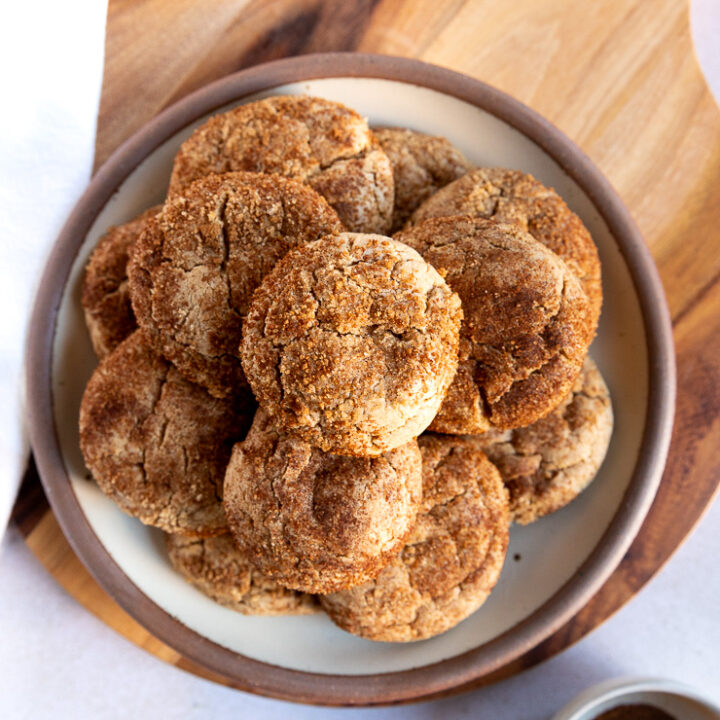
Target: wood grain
616, 76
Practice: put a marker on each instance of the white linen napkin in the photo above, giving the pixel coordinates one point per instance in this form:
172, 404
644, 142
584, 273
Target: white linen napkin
51, 55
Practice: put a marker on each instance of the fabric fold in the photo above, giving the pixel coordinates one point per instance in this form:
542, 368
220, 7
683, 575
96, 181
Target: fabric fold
52, 58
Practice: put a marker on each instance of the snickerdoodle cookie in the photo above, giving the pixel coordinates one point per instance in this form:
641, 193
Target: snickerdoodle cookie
351, 342
317, 522
451, 560
547, 464
422, 164
105, 298
315, 141
217, 568
514, 197
526, 326
194, 268
157, 444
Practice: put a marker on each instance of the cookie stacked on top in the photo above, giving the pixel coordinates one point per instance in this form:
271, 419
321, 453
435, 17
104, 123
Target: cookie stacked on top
271, 361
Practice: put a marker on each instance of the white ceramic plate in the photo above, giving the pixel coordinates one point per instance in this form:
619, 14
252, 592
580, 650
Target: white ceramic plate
542, 558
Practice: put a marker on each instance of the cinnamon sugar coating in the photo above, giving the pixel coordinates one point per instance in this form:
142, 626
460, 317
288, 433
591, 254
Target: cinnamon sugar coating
217, 568
351, 343
526, 326
422, 164
517, 198
317, 522
157, 444
549, 463
315, 141
450, 562
194, 268
105, 297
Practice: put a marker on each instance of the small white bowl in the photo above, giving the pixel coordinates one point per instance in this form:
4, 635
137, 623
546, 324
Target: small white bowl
676, 699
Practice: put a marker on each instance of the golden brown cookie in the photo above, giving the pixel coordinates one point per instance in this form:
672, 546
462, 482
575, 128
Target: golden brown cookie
526, 324
452, 559
312, 140
194, 268
105, 298
157, 444
351, 342
317, 522
422, 164
219, 570
548, 463
511, 196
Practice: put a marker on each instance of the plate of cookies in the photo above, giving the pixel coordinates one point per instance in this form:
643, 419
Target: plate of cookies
351, 379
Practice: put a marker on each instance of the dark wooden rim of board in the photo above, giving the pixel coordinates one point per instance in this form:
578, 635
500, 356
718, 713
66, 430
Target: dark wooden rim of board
439, 678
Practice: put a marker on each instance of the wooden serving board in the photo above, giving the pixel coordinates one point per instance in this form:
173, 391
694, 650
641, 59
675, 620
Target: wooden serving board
617, 76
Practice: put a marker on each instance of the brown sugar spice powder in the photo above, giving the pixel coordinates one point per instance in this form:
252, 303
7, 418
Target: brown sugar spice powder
635, 712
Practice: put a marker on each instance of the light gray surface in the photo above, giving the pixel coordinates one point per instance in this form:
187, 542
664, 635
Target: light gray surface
57, 661
705, 28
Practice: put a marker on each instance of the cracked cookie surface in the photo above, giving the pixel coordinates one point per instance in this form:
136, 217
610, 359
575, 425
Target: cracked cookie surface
156, 443
526, 326
514, 197
317, 522
450, 562
351, 343
315, 141
105, 297
194, 268
217, 568
547, 464
422, 164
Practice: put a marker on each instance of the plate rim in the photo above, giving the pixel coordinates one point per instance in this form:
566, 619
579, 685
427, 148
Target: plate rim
461, 671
